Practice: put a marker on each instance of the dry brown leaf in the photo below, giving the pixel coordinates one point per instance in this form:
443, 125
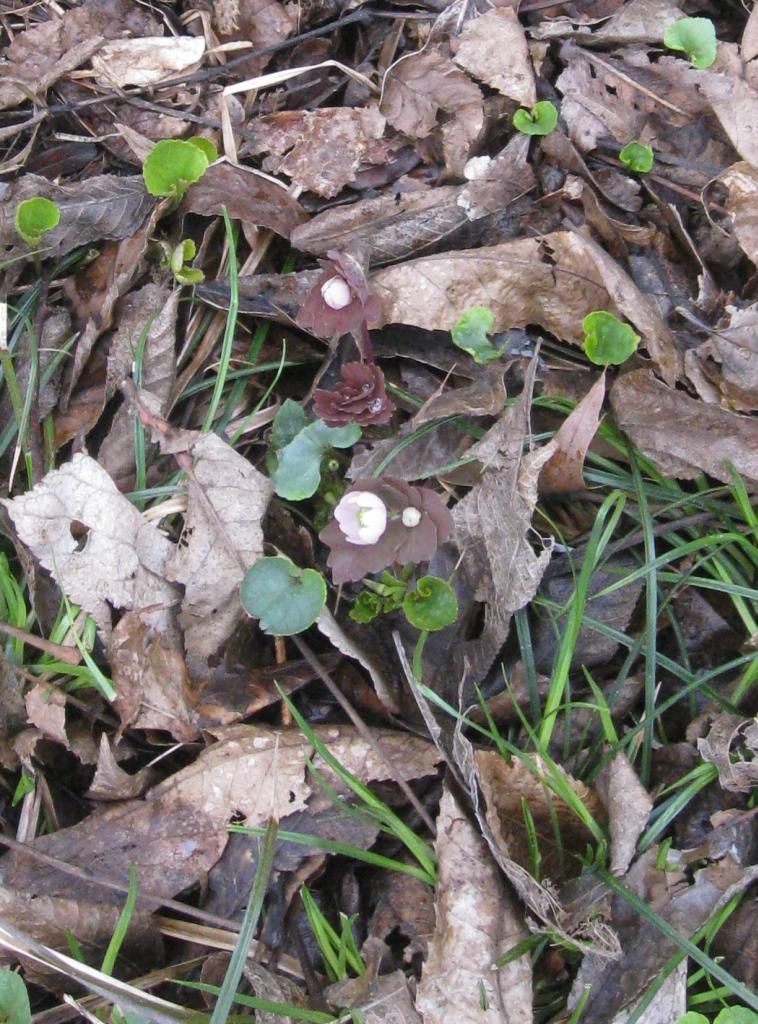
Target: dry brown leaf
563, 470
46, 709
227, 499
178, 831
728, 362
147, 60
484, 396
640, 21
742, 181
336, 635
682, 435
249, 197
477, 921
96, 544
492, 47
151, 681
374, 998
111, 782
495, 183
749, 44
320, 150
38, 57
261, 23
102, 207
553, 282
738, 775
735, 104
591, 111
628, 805
421, 85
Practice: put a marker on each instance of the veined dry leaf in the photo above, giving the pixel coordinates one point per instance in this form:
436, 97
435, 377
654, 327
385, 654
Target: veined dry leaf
554, 282
335, 634
260, 22
227, 499
248, 197
38, 57
628, 805
111, 782
46, 709
375, 998
146, 60
96, 544
640, 21
319, 149
496, 183
563, 470
740, 775
177, 832
729, 361
590, 110
742, 181
492, 47
735, 104
421, 85
477, 920
682, 435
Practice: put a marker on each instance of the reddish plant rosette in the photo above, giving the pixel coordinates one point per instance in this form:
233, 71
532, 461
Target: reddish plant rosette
360, 397
417, 522
340, 300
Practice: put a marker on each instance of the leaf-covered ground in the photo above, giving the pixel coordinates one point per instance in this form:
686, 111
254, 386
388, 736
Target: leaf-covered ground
378, 543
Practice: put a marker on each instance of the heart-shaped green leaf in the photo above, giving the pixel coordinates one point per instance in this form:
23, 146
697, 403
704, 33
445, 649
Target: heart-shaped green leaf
205, 146
637, 156
696, 37
540, 120
608, 340
172, 165
298, 464
470, 333
432, 605
34, 217
14, 999
285, 598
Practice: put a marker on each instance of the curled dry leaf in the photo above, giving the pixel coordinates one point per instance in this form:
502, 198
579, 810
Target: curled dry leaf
742, 181
735, 104
249, 197
740, 774
46, 709
553, 282
728, 362
492, 47
477, 919
418, 87
96, 544
227, 499
111, 782
563, 470
320, 150
682, 435
147, 60
628, 805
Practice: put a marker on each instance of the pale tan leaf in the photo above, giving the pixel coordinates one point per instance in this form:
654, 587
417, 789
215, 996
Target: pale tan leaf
96, 544
477, 920
735, 104
738, 771
742, 181
729, 361
628, 805
333, 631
640, 21
563, 470
492, 47
111, 782
749, 45
227, 499
146, 60
46, 709
682, 435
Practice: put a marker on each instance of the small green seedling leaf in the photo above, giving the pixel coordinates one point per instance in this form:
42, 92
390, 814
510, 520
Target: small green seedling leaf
34, 217
608, 341
696, 37
637, 156
736, 1015
432, 605
540, 120
298, 465
14, 999
178, 258
172, 165
470, 333
692, 1017
285, 598
205, 146
290, 419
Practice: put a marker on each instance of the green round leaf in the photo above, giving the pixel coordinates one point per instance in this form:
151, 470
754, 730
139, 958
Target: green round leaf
736, 1015
14, 999
637, 156
470, 333
540, 120
696, 37
608, 340
36, 216
298, 465
205, 146
692, 1017
285, 598
432, 605
171, 166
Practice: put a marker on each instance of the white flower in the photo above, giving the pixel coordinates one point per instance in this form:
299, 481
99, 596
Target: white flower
336, 292
411, 516
362, 517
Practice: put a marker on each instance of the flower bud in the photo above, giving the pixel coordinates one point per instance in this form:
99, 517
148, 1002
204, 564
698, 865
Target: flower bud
336, 292
411, 516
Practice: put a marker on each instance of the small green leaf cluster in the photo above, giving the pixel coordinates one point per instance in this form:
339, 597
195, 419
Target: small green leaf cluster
14, 999
429, 606
694, 36
298, 447
285, 598
637, 156
471, 334
729, 1015
35, 217
540, 120
178, 257
608, 341
172, 165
